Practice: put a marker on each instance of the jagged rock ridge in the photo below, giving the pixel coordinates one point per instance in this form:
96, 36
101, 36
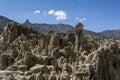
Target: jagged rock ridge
45, 28
28, 55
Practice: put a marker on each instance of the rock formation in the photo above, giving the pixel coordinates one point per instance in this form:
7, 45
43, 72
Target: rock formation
10, 32
78, 36
27, 55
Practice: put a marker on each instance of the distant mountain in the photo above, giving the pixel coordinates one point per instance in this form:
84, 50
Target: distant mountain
65, 28
88, 32
111, 34
44, 28
4, 21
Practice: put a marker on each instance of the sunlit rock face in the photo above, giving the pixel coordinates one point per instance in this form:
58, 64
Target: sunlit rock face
78, 36
27, 55
10, 32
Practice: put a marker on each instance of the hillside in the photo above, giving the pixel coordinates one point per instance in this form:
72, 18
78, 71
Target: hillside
4, 21
44, 28
111, 34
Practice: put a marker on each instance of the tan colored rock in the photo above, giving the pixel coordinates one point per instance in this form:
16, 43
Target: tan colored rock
23, 68
3, 61
89, 57
40, 76
68, 52
12, 68
46, 76
78, 36
10, 32
57, 56
106, 67
52, 76
40, 60
19, 77
38, 68
56, 53
67, 67
50, 69
29, 59
65, 76
54, 41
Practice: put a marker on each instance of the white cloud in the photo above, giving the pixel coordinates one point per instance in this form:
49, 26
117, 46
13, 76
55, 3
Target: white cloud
59, 14
51, 12
37, 12
81, 19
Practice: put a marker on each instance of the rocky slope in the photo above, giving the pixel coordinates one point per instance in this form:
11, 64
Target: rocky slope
27, 55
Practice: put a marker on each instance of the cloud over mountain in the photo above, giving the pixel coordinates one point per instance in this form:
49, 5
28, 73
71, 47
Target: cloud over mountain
59, 14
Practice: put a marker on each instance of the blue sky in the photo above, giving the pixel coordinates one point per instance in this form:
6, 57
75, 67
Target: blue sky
96, 15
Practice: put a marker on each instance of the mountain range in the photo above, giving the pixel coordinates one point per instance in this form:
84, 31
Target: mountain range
65, 28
